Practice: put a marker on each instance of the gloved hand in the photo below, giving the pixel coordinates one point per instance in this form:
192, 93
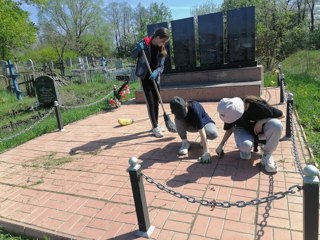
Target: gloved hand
140, 46
220, 151
154, 75
205, 158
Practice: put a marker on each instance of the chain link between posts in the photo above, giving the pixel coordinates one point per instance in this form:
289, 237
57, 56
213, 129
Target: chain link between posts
293, 139
88, 105
47, 115
225, 204
29, 128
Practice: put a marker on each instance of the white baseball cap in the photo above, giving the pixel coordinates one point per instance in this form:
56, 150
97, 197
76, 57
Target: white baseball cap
230, 109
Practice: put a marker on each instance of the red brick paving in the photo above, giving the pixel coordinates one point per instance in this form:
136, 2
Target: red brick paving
89, 197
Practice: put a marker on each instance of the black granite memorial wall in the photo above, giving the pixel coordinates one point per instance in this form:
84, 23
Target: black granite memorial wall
210, 39
241, 35
225, 41
184, 44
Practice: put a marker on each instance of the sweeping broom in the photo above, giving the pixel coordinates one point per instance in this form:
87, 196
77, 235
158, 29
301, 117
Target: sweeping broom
169, 124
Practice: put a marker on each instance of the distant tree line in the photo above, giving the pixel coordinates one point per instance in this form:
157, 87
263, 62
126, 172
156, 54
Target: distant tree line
88, 27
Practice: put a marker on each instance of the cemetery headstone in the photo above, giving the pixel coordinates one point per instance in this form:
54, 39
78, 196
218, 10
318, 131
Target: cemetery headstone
82, 70
69, 62
31, 66
118, 64
86, 62
133, 76
51, 65
46, 91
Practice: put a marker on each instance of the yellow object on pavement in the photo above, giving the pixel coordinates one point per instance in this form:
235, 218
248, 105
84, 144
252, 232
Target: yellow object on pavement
125, 121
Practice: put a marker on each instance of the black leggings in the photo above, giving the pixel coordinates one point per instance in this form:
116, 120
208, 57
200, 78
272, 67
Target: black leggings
152, 100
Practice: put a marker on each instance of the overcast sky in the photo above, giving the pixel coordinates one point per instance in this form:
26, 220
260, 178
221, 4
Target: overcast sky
179, 8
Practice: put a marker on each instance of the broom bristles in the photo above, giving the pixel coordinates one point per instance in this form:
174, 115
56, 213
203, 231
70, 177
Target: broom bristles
169, 124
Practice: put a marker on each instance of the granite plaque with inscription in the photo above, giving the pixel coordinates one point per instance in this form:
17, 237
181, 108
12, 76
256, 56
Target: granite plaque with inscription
211, 39
151, 29
184, 44
46, 91
241, 34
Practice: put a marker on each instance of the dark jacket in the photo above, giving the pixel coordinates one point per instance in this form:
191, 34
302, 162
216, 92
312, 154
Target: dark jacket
141, 67
257, 110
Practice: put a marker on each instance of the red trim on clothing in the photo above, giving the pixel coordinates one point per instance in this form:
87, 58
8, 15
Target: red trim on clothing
147, 40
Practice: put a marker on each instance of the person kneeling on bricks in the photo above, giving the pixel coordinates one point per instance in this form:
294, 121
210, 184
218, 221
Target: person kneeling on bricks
248, 119
190, 116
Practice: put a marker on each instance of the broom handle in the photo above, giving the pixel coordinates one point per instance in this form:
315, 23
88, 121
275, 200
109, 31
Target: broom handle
154, 83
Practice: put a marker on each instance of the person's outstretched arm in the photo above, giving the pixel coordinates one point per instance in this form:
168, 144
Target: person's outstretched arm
225, 138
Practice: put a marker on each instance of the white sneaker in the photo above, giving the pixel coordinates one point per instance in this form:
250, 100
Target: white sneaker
157, 132
161, 128
245, 155
268, 163
183, 150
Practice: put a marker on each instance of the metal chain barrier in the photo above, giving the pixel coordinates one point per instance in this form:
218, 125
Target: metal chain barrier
293, 140
88, 105
266, 214
240, 204
29, 128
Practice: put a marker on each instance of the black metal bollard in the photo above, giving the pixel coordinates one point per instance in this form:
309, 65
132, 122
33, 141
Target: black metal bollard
279, 75
58, 115
281, 88
145, 230
289, 115
310, 203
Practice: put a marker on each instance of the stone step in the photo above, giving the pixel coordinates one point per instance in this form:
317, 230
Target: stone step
207, 92
210, 77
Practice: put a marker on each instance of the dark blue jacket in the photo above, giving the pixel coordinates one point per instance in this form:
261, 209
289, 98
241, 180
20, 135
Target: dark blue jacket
141, 67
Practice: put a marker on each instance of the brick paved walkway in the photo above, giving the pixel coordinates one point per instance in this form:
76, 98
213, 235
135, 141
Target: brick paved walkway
89, 196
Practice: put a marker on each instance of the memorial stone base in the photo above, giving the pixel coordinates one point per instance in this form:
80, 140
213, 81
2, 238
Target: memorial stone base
210, 85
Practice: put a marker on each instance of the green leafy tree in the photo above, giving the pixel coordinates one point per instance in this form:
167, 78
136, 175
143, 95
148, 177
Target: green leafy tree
118, 19
70, 24
159, 13
130, 25
232, 4
100, 42
205, 8
16, 30
273, 19
140, 21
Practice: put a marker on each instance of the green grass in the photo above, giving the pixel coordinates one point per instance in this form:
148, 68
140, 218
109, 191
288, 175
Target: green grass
72, 95
4, 235
302, 76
